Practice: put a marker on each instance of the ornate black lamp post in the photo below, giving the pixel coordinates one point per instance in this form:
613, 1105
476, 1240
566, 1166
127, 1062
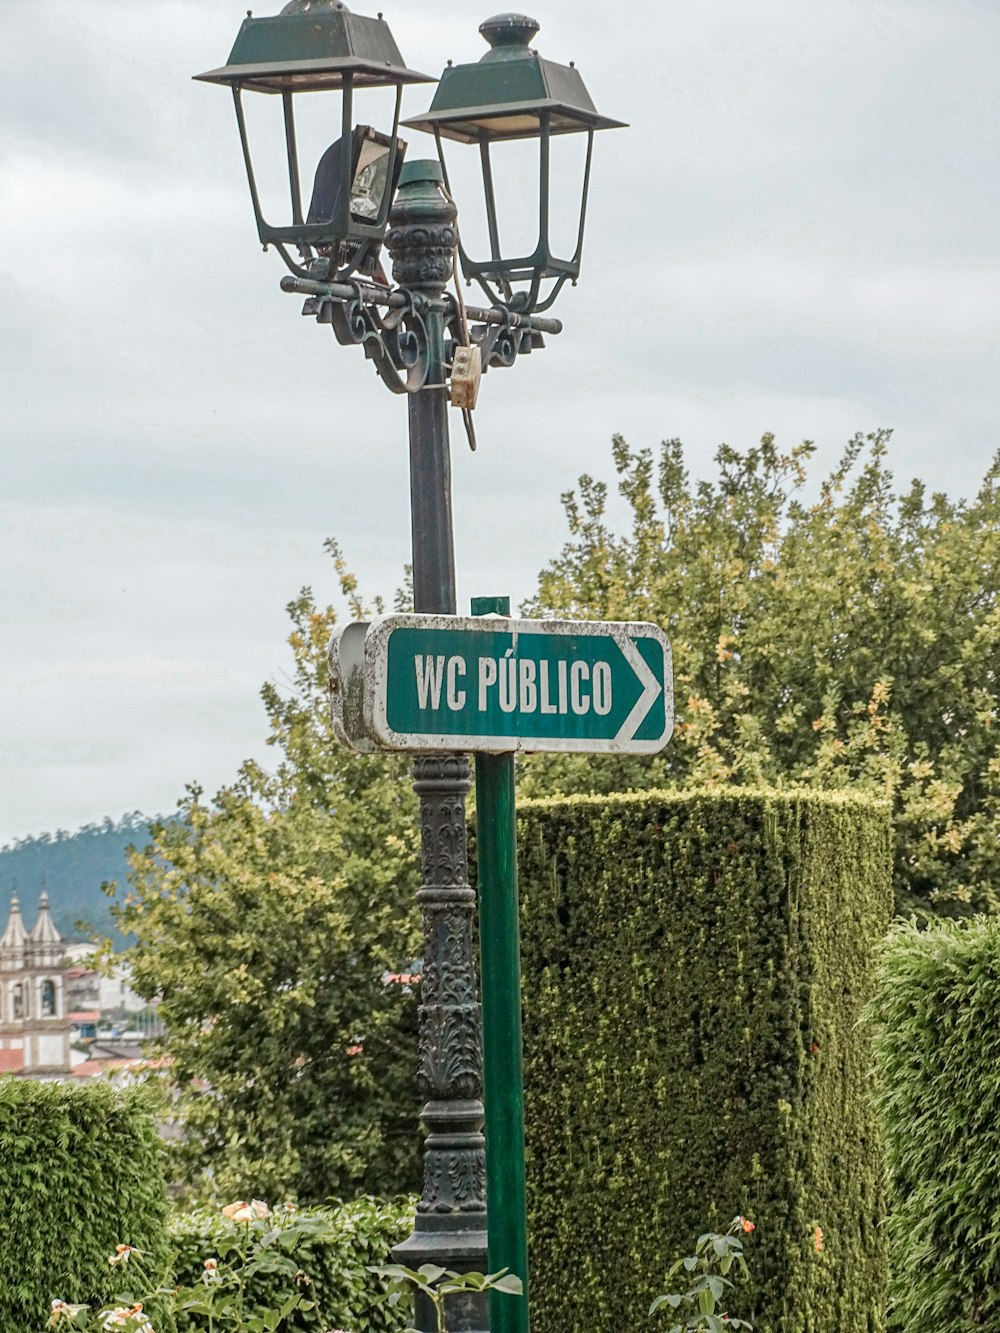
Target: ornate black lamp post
425, 343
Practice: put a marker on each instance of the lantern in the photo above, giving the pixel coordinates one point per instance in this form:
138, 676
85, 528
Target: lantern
320, 47
512, 93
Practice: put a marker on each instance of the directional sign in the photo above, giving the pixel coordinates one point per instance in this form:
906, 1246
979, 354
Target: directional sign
489, 683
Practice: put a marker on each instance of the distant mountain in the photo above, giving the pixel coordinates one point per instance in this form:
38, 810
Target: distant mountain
72, 867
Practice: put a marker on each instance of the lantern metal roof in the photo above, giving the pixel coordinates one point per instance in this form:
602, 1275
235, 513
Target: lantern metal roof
313, 45
506, 94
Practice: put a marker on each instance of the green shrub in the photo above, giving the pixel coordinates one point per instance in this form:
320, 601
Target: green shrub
936, 1016
333, 1264
694, 970
79, 1173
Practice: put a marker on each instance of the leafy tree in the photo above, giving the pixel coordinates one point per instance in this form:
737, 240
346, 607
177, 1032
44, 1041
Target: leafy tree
266, 920
848, 641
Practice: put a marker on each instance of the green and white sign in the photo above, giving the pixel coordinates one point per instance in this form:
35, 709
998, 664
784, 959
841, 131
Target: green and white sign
493, 684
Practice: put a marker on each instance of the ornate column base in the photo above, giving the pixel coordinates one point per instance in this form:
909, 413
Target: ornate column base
450, 1227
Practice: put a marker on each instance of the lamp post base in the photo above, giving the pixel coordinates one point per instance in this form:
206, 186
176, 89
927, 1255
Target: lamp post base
461, 1251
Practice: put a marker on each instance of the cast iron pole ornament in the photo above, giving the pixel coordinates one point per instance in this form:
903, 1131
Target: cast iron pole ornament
424, 343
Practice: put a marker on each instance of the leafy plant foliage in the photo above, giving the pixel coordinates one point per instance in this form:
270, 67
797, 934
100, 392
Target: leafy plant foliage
936, 1016
708, 1269
335, 1248
269, 921
694, 969
435, 1284
79, 1173
852, 640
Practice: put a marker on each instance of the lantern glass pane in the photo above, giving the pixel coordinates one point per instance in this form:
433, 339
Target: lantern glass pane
568, 162
266, 134
318, 130
319, 122
521, 221
371, 175
514, 166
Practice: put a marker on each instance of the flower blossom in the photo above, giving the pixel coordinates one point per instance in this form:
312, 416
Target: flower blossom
746, 1224
131, 1318
246, 1211
122, 1254
62, 1312
210, 1265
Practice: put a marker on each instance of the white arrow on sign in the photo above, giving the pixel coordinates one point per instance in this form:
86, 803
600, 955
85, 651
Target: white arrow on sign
651, 688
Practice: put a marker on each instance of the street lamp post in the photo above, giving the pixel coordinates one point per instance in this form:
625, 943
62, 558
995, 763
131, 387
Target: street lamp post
450, 1228
424, 343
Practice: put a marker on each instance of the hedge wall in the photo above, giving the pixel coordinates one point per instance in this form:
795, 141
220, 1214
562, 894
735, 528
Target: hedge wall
937, 1040
694, 970
79, 1173
333, 1264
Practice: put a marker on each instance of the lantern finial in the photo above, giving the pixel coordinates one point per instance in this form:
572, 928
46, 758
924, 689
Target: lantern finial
509, 30
315, 7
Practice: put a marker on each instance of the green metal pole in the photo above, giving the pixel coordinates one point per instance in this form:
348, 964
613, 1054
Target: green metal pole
500, 971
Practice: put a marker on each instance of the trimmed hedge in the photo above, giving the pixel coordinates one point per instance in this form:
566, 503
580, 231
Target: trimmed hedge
937, 1041
333, 1265
79, 1173
694, 970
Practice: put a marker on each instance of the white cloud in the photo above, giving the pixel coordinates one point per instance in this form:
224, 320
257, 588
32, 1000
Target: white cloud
798, 233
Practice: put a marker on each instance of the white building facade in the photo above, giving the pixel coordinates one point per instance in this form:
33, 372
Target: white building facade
88, 989
34, 1027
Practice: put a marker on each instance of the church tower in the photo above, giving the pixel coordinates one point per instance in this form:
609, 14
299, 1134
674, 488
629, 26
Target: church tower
34, 1029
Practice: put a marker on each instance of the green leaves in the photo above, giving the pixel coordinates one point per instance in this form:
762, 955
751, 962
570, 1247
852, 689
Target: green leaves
695, 966
673, 1299
319, 1257
256, 1288
711, 1251
80, 1173
848, 638
936, 1023
428, 1279
267, 921
437, 1284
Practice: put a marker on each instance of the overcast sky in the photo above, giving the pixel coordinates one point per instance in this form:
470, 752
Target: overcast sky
799, 233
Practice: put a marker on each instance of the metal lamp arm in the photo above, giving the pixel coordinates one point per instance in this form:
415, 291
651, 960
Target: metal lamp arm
396, 340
